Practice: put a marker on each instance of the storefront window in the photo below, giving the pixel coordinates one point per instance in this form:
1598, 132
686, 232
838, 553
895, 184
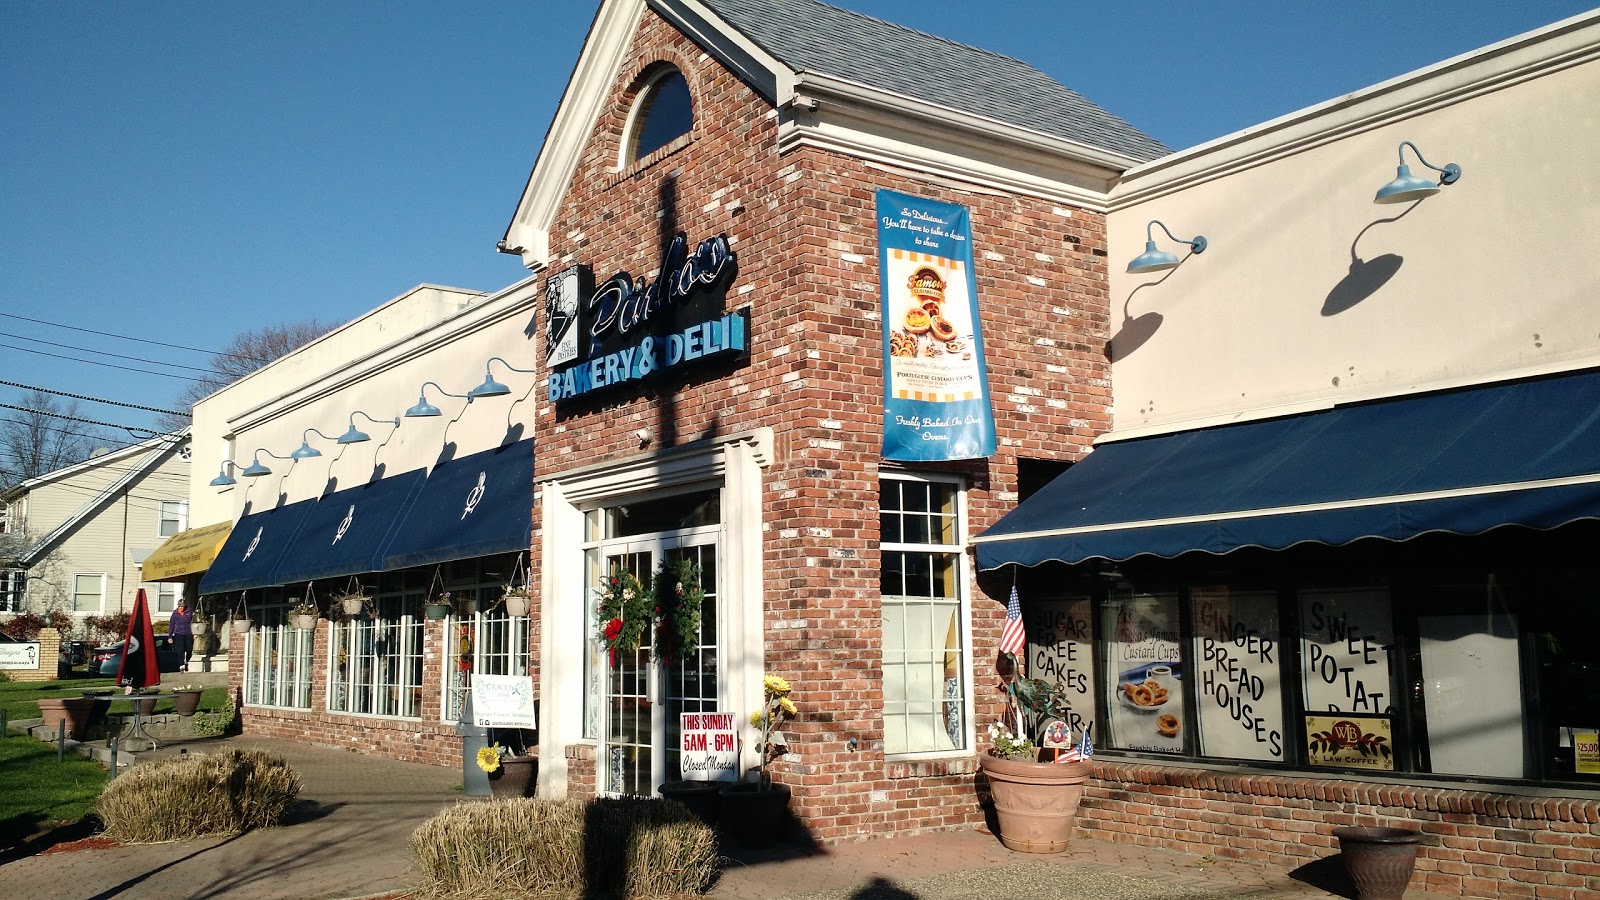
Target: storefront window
277, 661
376, 663
489, 643
1145, 674
1238, 673
1061, 650
924, 654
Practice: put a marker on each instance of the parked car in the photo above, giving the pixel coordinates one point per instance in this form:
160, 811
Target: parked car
108, 658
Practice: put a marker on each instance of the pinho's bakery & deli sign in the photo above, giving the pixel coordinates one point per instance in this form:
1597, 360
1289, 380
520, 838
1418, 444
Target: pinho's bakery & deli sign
628, 329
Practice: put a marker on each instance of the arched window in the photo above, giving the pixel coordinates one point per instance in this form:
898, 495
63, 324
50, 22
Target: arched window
662, 113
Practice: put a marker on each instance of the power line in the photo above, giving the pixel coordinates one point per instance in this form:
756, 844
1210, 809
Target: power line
155, 362
95, 362
30, 387
128, 428
124, 337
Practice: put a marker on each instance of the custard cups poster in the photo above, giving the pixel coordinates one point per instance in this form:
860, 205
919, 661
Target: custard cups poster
935, 387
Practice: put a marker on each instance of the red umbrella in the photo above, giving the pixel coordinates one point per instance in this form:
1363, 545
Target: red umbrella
138, 667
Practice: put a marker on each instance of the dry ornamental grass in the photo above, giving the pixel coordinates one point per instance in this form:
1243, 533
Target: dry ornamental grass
619, 848
197, 795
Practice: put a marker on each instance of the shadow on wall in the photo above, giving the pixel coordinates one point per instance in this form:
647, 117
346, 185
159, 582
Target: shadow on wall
1366, 277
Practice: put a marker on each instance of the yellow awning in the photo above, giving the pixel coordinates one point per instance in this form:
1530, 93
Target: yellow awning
186, 552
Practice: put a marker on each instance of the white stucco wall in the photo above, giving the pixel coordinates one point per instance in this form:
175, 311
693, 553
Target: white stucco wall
1495, 276
376, 364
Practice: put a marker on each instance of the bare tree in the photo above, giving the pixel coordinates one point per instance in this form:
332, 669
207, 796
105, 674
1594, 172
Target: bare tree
42, 437
245, 353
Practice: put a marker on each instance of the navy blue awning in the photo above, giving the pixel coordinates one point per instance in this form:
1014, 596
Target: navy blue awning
477, 505
349, 531
254, 548
1516, 453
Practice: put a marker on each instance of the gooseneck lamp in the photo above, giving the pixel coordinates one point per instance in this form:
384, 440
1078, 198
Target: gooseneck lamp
356, 437
1407, 187
1153, 260
307, 451
490, 387
423, 407
254, 470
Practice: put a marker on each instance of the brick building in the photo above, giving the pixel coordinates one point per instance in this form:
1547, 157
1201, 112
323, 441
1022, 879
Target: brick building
712, 184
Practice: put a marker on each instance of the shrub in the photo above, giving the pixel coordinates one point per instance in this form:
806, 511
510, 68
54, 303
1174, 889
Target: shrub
106, 629
23, 626
197, 795
215, 724
621, 847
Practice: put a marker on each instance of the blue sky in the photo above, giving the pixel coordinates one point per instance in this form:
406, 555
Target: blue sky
183, 171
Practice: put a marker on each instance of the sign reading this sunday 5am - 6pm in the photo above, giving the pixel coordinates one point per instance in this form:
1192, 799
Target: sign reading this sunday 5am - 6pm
935, 386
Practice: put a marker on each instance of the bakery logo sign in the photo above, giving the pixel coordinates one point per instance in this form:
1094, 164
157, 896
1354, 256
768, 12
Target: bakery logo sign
628, 329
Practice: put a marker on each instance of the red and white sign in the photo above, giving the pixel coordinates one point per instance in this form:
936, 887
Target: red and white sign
710, 747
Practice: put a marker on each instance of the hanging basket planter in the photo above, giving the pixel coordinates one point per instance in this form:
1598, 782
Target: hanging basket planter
198, 627
240, 623
352, 605
517, 605
303, 621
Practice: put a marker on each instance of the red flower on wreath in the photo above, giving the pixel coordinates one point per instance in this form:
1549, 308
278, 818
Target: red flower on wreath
613, 628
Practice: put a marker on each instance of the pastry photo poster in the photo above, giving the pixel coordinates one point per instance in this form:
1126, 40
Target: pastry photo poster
1145, 703
936, 395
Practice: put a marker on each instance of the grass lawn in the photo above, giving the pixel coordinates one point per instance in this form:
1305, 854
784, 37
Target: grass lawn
37, 793
20, 699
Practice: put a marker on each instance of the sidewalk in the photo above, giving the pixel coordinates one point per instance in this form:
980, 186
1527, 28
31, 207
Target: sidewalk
352, 836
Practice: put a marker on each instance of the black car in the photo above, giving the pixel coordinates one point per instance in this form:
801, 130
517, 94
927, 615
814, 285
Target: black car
108, 658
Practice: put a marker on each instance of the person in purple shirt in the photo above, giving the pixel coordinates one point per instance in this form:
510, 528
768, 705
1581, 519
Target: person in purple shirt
181, 629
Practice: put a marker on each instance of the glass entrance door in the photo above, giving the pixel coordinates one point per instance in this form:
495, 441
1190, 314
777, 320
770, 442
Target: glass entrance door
644, 696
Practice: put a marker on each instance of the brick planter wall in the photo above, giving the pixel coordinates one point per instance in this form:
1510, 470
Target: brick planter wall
1475, 843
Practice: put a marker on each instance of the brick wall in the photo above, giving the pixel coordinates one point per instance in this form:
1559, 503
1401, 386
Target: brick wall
803, 227
1475, 843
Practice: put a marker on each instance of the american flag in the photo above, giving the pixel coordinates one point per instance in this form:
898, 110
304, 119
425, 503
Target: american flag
1013, 638
1086, 746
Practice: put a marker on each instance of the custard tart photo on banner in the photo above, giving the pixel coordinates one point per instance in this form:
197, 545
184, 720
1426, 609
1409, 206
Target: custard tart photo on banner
936, 395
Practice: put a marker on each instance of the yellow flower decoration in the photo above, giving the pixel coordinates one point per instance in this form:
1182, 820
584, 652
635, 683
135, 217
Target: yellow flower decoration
757, 719
788, 706
489, 758
775, 684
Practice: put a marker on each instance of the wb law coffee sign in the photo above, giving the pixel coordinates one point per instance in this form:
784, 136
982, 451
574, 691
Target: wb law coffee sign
628, 329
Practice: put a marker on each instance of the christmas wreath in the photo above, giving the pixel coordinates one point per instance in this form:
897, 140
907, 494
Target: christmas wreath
678, 599
624, 613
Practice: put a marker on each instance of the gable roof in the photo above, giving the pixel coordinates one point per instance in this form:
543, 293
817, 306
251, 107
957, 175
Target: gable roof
811, 36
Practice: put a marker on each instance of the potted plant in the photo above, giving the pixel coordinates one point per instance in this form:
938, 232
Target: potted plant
517, 601
186, 699
352, 601
510, 775
439, 607
145, 706
303, 615
755, 813
1035, 802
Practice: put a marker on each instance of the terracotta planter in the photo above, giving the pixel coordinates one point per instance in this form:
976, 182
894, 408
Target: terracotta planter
703, 798
1036, 803
1379, 860
514, 778
516, 606
186, 702
752, 816
78, 711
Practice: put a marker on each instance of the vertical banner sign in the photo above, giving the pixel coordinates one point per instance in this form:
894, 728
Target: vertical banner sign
935, 385
1237, 673
1062, 654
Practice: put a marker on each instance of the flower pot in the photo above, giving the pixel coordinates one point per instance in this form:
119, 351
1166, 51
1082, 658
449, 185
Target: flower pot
703, 798
186, 702
516, 606
78, 711
514, 778
754, 816
1036, 803
198, 628
303, 621
1379, 860
351, 605
240, 625
146, 707
437, 610
467, 607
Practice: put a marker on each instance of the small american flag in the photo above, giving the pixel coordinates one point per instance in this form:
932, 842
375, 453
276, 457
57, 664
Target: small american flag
1086, 746
1013, 638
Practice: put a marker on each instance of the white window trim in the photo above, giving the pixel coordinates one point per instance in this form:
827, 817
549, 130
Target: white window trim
736, 460
964, 587
630, 128
182, 517
255, 666
75, 592
339, 632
